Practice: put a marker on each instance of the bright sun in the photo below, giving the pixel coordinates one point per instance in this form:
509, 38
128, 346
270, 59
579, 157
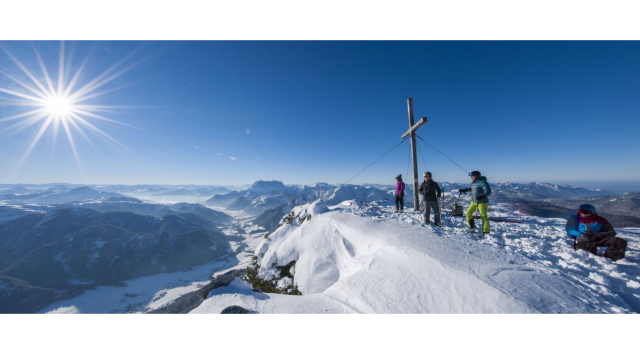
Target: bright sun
58, 106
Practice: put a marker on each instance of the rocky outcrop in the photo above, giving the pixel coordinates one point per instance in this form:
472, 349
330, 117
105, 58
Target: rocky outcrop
188, 302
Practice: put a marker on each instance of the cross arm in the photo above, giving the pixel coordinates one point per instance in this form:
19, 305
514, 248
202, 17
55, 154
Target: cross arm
415, 126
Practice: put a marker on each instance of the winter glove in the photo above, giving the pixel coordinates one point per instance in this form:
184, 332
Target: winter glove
439, 195
462, 191
588, 236
480, 196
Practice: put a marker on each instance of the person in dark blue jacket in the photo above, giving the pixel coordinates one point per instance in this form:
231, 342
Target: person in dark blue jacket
592, 231
480, 191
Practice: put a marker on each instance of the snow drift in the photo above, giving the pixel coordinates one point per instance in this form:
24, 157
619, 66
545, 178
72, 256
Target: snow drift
362, 258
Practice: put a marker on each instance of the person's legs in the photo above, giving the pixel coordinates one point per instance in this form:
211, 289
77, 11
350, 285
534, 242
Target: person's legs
427, 211
592, 247
402, 201
484, 208
472, 209
616, 247
397, 202
436, 213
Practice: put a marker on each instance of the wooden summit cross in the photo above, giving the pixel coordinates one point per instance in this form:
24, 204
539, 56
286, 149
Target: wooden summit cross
414, 158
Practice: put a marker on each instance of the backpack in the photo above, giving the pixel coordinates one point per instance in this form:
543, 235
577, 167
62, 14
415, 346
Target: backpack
457, 210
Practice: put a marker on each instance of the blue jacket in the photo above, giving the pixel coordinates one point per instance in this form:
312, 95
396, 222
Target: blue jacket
480, 187
589, 229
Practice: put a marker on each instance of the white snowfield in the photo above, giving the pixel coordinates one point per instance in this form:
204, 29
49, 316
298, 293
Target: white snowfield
362, 258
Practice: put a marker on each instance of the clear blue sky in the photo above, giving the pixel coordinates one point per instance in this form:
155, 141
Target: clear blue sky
304, 112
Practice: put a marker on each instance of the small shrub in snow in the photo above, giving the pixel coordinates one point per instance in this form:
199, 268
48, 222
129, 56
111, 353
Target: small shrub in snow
288, 219
280, 282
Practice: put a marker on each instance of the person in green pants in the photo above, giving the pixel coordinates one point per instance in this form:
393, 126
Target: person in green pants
480, 191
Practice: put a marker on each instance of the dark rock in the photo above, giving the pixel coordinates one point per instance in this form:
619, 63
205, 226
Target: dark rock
234, 309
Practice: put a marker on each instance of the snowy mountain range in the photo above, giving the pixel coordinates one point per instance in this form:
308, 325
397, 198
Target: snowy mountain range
626, 204
157, 210
208, 191
261, 196
327, 241
70, 250
539, 191
38, 202
56, 195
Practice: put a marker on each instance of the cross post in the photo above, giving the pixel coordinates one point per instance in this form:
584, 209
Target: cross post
412, 131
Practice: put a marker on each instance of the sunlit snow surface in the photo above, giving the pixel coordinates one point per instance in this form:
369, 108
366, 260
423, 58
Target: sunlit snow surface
363, 258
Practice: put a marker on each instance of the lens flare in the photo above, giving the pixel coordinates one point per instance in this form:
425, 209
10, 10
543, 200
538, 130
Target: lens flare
58, 104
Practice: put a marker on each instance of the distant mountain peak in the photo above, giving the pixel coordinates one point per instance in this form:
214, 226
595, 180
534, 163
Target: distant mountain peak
84, 189
267, 186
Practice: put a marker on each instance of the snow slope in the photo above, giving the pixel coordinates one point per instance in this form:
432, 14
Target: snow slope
362, 258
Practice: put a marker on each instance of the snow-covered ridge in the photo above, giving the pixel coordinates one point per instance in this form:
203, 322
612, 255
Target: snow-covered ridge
354, 257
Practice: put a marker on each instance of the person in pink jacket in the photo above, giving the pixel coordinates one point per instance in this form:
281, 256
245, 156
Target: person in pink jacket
399, 194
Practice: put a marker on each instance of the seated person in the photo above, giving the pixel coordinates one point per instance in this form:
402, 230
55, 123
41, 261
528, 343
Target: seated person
592, 231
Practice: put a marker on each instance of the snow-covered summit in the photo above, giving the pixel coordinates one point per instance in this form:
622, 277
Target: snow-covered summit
263, 187
363, 258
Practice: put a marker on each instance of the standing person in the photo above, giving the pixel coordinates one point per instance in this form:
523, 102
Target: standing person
431, 192
481, 190
593, 231
399, 194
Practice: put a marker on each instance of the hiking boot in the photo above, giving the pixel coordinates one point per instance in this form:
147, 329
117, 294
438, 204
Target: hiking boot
472, 224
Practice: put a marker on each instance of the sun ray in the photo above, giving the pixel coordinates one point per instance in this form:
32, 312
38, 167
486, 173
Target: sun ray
26, 71
72, 143
97, 94
105, 81
20, 126
101, 117
54, 139
68, 65
17, 102
35, 140
107, 141
97, 130
103, 110
61, 70
78, 72
43, 96
22, 115
22, 95
98, 107
75, 125
83, 91
44, 70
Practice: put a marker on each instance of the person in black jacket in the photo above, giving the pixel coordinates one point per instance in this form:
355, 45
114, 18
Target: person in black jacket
430, 190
